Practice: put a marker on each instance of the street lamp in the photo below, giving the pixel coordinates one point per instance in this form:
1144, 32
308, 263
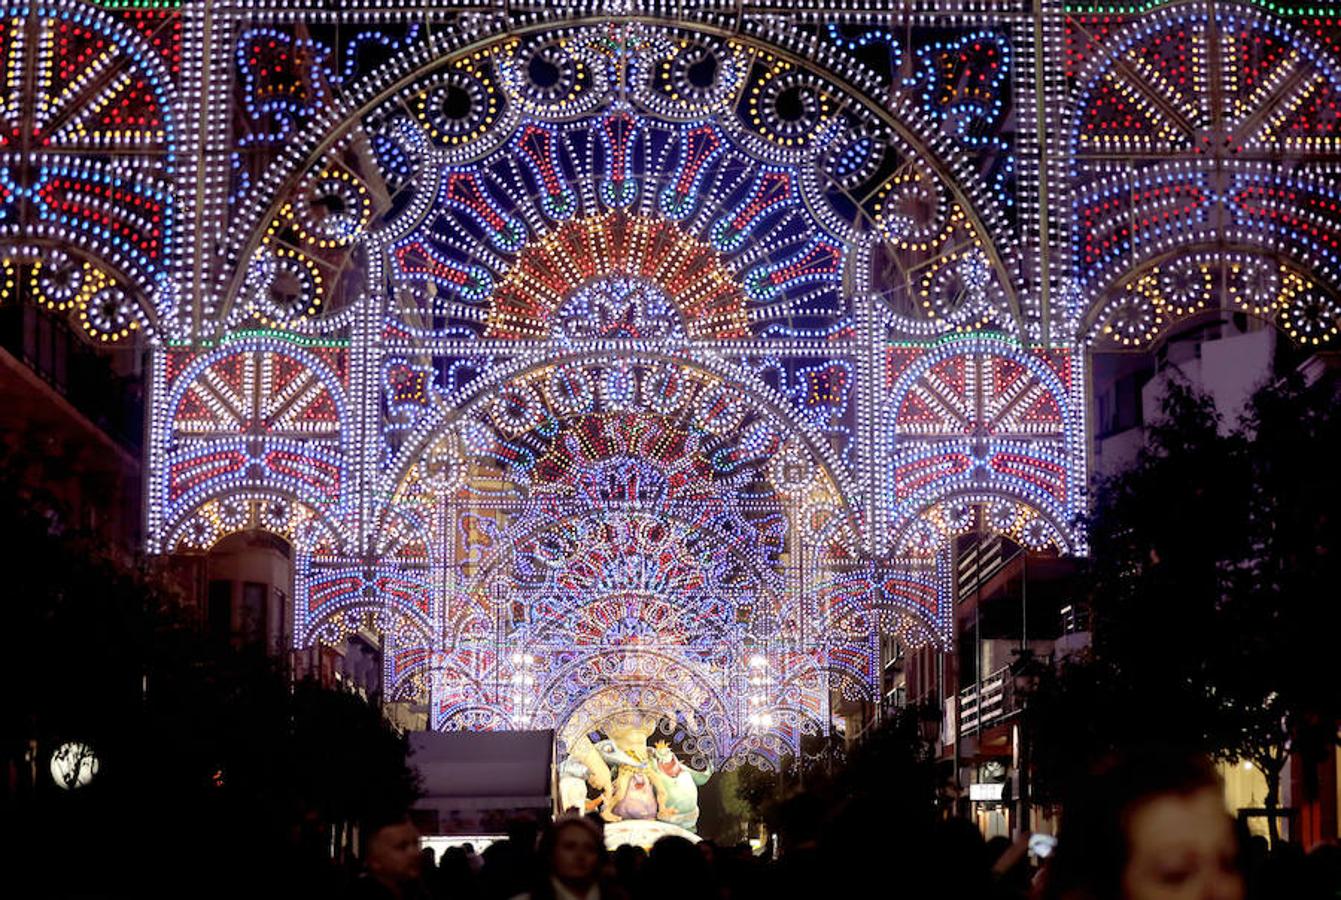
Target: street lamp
73, 765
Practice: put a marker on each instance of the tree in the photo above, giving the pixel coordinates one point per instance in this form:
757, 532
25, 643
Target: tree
205, 750
1275, 688
885, 784
1210, 585
764, 792
1152, 582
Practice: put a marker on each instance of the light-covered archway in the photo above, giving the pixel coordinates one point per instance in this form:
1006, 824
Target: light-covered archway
648, 360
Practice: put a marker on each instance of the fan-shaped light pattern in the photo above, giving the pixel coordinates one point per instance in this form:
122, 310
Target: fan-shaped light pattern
976, 421
1183, 207
639, 372
89, 147
261, 420
642, 277
691, 207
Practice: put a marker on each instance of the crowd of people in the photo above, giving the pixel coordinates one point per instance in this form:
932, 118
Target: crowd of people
1143, 829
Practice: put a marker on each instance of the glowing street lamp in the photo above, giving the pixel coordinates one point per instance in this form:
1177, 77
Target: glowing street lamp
73, 765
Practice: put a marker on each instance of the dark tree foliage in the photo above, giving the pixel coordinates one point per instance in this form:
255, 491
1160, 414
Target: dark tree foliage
1277, 687
876, 801
883, 804
766, 791
214, 767
1212, 588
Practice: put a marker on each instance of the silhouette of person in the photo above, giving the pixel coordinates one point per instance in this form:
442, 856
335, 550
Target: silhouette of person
573, 853
392, 863
1148, 825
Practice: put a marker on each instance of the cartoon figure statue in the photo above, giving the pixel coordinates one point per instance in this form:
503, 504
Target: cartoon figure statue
614, 755
635, 798
629, 732
635, 781
573, 777
676, 787
597, 758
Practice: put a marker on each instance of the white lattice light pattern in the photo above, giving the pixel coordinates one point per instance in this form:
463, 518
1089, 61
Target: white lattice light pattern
610, 362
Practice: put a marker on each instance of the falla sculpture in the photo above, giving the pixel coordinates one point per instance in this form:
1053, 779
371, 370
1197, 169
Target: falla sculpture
632, 781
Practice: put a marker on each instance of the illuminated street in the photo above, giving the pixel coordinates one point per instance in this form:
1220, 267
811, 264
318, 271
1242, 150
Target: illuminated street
627, 449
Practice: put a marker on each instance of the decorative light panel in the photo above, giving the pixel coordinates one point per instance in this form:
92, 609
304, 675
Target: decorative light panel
89, 137
611, 367
1204, 149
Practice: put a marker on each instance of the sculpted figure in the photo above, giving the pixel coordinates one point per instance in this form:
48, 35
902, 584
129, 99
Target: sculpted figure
625, 752
597, 758
676, 787
630, 732
573, 777
635, 798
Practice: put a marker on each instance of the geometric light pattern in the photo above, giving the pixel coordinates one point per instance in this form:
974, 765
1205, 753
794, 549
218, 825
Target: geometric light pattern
1204, 153
607, 364
89, 143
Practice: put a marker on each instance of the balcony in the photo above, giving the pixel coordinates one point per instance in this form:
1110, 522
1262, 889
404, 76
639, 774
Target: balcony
977, 563
111, 398
983, 704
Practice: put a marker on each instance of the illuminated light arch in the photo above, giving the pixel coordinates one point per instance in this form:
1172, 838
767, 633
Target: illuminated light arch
798, 695
258, 415
533, 613
1202, 282
471, 717
642, 591
977, 421
851, 675
723, 237
636, 261
644, 681
459, 680
402, 602
206, 518
90, 158
445, 61
910, 600
1177, 133
700, 373
407, 671
527, 614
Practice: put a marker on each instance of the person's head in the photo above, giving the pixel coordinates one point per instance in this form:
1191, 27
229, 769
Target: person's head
628, 860
675, 867
1150, 825
391, 850
455, 862
574, 851
522, 832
